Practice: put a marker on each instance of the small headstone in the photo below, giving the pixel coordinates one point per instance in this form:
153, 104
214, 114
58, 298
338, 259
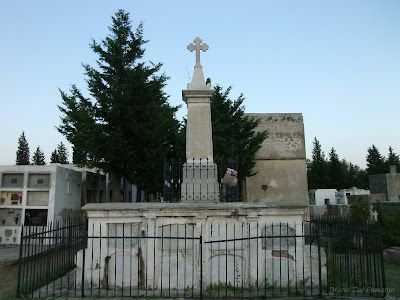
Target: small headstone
392, 255
375, 215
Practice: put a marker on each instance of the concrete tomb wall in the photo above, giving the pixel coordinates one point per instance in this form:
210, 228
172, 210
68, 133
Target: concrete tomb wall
388, 184
281, 161
163, 245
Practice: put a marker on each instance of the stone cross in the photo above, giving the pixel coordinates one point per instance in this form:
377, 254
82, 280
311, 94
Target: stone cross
375, 215
197, 41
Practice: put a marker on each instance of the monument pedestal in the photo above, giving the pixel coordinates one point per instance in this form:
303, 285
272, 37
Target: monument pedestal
199, 181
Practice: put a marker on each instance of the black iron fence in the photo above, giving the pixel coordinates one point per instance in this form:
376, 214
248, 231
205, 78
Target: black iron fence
47, 254
200, 179
354, 255
216, 260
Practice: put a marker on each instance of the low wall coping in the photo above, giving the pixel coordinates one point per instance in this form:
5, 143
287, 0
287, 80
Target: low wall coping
193, 206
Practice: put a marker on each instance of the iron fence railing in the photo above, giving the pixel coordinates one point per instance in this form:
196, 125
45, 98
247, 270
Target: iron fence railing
47, 254
237, 260
198, 180
354, 252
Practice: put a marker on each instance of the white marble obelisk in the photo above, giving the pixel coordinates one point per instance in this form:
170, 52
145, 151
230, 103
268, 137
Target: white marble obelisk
200, 176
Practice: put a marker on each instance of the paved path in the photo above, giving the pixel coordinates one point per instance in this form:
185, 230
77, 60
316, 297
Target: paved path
9, 254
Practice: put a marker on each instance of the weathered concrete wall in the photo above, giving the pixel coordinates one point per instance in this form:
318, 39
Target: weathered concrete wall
388, 184
329, 210
246, 258
281, 162
286, 136
393, 185
375, 197
387, 206
286, 181
378, 184
67, 194
372, 197
342, 195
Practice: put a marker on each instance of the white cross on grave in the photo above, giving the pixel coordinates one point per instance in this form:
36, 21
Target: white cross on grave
375, 215
197, 46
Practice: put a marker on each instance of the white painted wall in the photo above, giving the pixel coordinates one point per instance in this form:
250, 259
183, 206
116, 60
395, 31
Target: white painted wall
67, 199
341, 196
59, 199
322, 194
212, 222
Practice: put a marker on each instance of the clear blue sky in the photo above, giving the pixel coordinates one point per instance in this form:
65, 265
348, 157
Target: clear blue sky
336, 62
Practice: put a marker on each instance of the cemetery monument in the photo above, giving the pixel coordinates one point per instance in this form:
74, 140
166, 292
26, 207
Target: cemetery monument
180, 243
200, 182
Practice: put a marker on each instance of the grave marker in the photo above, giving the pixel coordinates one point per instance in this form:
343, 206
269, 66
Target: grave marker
199, 171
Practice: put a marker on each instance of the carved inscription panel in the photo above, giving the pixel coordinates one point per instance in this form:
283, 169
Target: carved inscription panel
285, 136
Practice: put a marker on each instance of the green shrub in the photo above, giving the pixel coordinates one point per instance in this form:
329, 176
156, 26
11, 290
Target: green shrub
360, 210
390, 224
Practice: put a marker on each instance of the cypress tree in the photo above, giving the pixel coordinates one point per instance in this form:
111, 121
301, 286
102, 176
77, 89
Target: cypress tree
392, 160
336, 172
54, 158
62, 153
23, 151
38, 157
79, 157
234, 135
375, 162
317, 168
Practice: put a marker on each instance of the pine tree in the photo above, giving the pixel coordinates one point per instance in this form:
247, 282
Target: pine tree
23, 151
362, 181
336, 172
392, 160
62, 153
79, 157
127, 127
54, 158
38, 157
375, 162
234, 134
346, 182
317, 168
351, 175
354, 176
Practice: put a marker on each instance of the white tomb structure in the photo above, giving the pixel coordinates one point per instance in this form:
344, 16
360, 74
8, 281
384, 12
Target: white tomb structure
199, 241
36, 196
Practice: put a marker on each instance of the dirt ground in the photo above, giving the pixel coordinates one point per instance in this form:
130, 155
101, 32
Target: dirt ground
8, 278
